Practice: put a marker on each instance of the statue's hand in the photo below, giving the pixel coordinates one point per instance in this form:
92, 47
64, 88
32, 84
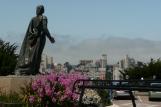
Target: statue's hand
52, 40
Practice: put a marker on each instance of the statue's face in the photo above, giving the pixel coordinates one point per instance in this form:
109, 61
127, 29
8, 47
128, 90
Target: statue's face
40, 10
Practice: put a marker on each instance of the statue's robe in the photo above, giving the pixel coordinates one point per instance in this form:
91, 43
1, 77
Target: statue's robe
32, 47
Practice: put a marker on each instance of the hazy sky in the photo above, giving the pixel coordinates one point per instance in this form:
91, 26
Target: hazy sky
84, 19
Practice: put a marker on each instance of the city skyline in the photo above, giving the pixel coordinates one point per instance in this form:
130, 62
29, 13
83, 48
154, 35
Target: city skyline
86, 29
116, 49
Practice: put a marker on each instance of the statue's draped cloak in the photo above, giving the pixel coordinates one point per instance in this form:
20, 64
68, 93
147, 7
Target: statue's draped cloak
32, 46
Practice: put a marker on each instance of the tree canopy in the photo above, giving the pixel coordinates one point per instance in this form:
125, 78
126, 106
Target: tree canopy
151, 70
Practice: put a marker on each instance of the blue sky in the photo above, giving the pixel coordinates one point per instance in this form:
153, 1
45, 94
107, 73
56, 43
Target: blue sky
86, 18
113, 27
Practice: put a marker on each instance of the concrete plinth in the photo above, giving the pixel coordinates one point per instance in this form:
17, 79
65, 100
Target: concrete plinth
12, 83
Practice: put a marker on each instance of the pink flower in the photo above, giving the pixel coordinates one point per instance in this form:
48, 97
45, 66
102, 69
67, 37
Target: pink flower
31, 99
63, 98
53, 100
58, 93
55, 87
48, 92
40, 92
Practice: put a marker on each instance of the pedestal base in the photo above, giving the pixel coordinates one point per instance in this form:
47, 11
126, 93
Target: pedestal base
12, 83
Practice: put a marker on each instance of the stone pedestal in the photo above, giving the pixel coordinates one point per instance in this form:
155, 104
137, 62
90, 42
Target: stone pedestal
12, 83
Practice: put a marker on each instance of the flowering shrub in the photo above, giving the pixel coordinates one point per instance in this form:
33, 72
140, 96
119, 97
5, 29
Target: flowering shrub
91, 97
55, 89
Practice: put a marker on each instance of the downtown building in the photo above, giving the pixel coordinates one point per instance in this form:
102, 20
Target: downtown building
46, 64
94, 70
123, 64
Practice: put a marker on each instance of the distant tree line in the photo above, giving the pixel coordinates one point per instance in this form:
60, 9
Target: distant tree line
8, 58
151, 70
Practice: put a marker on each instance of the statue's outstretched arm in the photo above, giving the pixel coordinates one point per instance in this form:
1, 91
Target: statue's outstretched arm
52, 40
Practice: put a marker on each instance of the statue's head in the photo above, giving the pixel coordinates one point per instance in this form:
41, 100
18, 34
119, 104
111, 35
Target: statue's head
39, 10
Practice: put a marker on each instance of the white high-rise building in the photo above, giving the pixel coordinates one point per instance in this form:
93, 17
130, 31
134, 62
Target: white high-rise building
123, 64
46, 63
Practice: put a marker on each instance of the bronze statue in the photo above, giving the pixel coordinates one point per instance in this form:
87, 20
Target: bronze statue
33, 44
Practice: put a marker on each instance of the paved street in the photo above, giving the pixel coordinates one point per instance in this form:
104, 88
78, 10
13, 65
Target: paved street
142, 101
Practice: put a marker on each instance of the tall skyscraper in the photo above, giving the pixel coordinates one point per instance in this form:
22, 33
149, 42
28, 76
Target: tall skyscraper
103, 61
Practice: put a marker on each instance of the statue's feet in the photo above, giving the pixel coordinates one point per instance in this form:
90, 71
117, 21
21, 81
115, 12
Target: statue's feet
25, 66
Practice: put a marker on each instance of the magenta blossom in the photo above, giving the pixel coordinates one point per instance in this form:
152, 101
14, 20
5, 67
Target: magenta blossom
55, 88
31, 99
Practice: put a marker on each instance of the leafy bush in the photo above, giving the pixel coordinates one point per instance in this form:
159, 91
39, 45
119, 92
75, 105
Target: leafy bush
9, 98
104, 94
8, 58
25, 92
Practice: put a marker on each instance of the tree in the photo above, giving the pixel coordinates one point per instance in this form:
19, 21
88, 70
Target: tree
147, 71
8, 58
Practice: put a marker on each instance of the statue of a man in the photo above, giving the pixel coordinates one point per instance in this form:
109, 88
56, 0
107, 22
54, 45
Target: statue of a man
33, 44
